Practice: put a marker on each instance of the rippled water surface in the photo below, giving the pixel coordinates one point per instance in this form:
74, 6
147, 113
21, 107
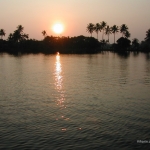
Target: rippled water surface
99, 101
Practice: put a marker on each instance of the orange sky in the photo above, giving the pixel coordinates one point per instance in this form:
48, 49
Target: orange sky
38, 15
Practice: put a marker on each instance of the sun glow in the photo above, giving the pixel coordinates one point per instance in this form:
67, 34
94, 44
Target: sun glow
58, 28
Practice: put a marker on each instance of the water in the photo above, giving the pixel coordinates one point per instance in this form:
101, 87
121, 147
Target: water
99, 101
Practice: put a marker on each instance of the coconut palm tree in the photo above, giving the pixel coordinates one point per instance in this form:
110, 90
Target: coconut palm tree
114, 30
127, 34
147, 35
90, 28
123, 29
44, 33
108, 32
103, 25
18, 34
2, 33
97, 28
10, 37
25, 36
20, 28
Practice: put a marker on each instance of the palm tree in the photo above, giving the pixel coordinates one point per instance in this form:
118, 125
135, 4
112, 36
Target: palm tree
147, 35
108, 32
10, 37
2, 33
20, 28
114, 30
103, 25
123, 29
97, 28
25, 36
127, 34
44, 33
90, 28
18, 34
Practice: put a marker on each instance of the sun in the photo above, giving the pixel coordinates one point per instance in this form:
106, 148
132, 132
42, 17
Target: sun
58, 28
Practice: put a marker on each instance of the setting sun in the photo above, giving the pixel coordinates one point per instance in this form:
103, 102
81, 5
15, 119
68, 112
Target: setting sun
58, 28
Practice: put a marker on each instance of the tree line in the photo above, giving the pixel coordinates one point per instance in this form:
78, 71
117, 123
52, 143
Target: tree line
19, 42
107, 30
123, 42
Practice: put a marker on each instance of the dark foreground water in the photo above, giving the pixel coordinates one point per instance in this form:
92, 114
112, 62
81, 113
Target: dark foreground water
75, 102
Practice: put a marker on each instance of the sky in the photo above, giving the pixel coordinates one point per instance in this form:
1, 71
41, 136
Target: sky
38, 15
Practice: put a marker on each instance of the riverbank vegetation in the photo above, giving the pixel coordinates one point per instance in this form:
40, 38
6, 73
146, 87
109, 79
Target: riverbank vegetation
19, 42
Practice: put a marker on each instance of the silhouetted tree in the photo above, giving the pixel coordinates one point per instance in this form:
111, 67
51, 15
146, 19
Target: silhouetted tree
114, 30
103, 43
127, 34
18, 41
2, 33
90, 28
97, 28
91, 44
44, 33
123, 29
108, 32
123, 43
25, 36
147, 35
18, 35
20, 28
103, 25
10, 37
135, 43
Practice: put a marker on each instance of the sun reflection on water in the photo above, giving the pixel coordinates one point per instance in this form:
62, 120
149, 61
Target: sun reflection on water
58, 76
62, 114
59, 81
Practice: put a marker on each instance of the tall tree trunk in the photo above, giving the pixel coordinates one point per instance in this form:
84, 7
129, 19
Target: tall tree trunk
114, 38
103, 35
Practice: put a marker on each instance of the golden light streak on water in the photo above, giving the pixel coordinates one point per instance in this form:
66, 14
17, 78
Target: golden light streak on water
58, 70
59, 82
